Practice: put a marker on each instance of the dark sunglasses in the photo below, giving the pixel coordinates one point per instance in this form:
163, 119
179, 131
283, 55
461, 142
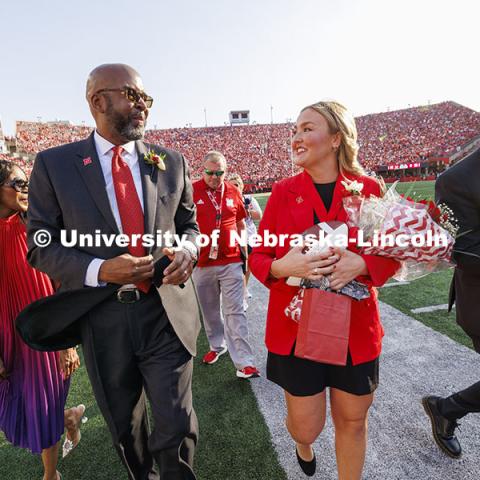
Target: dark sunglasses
17, 184
132, 95
217, 173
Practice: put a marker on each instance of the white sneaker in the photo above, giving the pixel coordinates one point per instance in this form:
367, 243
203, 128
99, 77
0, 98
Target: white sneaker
211, 357
248, 372
245, 305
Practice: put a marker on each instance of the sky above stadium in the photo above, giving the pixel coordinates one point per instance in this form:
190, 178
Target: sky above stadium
199, 60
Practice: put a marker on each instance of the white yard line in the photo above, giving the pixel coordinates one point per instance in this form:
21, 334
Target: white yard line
395, 284
431, 308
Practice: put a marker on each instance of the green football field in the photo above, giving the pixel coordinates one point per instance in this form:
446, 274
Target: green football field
234, 440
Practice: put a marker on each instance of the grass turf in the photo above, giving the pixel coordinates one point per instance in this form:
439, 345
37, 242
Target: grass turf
234, 444
430, 290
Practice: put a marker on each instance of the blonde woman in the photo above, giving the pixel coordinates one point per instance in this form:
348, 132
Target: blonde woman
324, 144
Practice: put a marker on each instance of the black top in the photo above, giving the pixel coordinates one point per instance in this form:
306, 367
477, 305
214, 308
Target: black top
325, 190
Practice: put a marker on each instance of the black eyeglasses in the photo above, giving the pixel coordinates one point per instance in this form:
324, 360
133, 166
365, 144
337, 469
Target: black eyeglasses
17, 184
217, 173
132, 95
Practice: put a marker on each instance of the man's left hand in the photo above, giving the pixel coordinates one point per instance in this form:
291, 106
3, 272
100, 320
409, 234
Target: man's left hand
180, 269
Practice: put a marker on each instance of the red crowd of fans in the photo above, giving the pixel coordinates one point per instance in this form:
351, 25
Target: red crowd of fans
413, 134
261, 153
256, 152
33, 137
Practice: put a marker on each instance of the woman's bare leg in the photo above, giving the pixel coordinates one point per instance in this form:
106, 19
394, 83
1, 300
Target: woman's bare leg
50, 462
305, 421
349, 415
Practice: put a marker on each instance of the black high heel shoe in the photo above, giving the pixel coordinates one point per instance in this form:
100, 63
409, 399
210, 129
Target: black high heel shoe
308, 468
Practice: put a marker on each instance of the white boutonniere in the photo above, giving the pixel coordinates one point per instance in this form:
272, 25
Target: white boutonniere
353, 187
157, 159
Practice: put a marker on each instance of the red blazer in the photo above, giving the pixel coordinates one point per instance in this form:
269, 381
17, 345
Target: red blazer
290, 210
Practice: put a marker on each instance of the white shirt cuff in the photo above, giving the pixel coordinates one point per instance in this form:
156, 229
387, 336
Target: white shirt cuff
91, 278
191, 248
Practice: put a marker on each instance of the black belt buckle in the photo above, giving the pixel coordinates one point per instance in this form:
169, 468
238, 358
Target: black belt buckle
128, 295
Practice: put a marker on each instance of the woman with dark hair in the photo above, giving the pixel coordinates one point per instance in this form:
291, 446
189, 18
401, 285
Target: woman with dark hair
324, 144
33, 385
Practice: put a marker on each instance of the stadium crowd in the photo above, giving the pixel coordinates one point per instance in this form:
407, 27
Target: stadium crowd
256, 152
414, 134
33, 137
261, 153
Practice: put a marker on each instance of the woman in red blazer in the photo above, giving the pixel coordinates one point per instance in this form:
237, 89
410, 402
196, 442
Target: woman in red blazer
324, 144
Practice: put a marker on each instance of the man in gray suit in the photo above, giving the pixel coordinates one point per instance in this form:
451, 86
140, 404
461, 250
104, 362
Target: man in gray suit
139, 339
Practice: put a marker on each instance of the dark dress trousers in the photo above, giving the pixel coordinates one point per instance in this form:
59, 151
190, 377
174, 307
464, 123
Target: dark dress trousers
130, 349
459, 189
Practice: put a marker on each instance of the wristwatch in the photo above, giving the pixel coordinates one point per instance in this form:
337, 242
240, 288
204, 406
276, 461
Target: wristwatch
192, 250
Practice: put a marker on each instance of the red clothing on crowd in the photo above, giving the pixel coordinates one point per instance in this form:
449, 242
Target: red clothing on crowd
289, 211
233, 211
261, 154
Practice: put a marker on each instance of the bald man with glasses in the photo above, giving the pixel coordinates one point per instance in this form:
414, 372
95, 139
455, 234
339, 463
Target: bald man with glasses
137, 318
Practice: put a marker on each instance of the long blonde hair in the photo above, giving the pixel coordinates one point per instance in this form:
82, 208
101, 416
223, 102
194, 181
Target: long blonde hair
339, 119
235, 177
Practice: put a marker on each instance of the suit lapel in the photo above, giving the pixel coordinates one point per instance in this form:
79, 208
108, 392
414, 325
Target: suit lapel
149, 176
90, 170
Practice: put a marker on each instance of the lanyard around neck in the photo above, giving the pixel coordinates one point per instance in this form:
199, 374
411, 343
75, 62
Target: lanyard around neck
216, 206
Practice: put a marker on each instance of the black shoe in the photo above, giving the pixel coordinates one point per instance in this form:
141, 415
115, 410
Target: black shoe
443, 429
308, 468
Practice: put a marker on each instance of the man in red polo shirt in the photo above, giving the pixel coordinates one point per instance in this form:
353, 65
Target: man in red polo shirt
218, 273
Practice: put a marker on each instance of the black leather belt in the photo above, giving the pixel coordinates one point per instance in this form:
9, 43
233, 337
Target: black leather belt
128, 295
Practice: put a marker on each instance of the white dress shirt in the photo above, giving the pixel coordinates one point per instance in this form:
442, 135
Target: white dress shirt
105, 154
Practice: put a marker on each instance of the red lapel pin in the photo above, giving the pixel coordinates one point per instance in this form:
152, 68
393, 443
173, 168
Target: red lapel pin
87, 161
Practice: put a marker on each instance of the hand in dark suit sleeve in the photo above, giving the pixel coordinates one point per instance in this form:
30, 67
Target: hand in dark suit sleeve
66, 265
462, 195
458, 188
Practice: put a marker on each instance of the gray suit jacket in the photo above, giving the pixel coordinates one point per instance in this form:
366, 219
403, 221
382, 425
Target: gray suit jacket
67, 192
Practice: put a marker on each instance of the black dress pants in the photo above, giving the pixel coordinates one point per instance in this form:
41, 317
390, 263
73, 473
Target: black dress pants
131, 351
467, 288
459, 404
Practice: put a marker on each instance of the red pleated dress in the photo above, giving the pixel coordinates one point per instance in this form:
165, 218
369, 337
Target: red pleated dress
32, 398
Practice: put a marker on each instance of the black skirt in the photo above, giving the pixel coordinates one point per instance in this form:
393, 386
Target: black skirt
302, 378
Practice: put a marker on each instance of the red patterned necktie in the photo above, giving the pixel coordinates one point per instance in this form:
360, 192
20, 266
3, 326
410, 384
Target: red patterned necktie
129, 207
